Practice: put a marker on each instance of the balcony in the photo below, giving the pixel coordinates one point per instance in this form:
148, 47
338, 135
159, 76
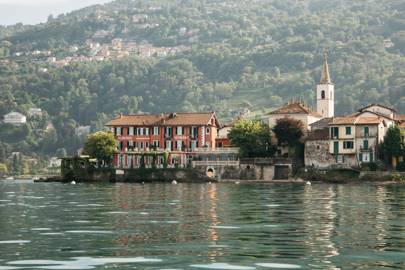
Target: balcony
366, 149
215, 163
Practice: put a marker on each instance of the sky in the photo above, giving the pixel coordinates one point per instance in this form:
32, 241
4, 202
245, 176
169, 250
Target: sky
36, 11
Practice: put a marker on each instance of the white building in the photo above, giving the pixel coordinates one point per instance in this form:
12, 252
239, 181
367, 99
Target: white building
325, 93
82, 131
295, 110
15, 118
34, 112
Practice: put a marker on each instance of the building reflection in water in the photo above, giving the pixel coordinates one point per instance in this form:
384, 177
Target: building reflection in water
153, 218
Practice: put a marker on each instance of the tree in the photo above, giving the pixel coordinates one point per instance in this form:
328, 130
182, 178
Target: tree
393, 145
288, 131
101, 145
253, 138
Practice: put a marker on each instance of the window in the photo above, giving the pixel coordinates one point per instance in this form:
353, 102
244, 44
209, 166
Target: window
141, 145
334, 132
193, 145
119, 130
348, 145
131, 131
168, 131
208, 131
146, 144
112, 130
348, 130
323, 94
365, 144
155, 130
179, 131
156, 143
147, 131
366, 131
194, 132
169, 145
179, 145
131, 144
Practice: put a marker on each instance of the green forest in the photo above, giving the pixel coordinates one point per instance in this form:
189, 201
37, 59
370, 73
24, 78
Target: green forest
257, 54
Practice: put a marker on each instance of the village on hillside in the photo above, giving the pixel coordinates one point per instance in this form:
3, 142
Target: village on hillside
199, 141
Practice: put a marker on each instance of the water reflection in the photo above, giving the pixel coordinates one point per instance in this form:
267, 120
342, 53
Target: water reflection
201, 226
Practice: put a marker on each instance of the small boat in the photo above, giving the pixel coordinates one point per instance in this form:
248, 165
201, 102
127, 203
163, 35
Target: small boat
10, 178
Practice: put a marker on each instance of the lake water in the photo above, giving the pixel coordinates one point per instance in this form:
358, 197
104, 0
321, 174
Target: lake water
201, 226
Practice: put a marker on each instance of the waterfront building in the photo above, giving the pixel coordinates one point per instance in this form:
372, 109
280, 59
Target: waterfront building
298, 110
15, 118
144, 139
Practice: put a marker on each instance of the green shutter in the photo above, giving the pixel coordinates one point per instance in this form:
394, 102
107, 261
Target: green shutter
365, 144
371, 157
336, 148
366, 131
360, 157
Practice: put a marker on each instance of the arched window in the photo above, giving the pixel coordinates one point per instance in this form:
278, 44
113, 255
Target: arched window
323, 94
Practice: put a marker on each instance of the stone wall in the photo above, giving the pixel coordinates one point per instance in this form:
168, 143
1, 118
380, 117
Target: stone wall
317, 154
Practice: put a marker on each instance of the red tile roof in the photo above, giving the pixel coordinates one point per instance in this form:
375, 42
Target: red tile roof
166, 119
295, 108
376, 104
400, 117
356, 120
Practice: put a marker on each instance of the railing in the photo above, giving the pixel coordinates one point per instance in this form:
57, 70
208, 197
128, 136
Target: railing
362, 148
217, 150
266, 161
215, 163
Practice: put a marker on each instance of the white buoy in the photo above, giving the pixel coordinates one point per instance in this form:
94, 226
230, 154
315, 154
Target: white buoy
209, 183
143, 183
174, 182
237, 182
73, 182
308, 183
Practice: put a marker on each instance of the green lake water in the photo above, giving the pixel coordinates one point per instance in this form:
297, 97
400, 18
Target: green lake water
201, 226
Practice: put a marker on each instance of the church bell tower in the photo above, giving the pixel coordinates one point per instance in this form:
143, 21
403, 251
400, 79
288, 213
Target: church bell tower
325, 92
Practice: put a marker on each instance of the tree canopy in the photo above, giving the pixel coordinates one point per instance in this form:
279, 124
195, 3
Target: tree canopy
393, 145
288, 131
101, 145
253, 137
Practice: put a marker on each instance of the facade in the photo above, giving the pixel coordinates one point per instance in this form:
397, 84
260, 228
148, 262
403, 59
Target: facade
353, 139
317, 153
296, 110
15, 118
144, 140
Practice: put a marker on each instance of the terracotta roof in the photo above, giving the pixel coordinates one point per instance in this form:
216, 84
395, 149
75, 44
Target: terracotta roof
167, 119
376, 104
376, 113
319, 134
368, 120
295, 108
400, 117
320, 124
355, 120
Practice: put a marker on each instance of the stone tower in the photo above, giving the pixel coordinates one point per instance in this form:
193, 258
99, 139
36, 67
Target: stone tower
325, 94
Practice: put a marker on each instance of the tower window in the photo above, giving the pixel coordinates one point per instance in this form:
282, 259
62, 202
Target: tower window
323, 94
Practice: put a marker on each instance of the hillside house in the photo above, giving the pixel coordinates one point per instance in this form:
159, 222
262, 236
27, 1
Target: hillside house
15, 118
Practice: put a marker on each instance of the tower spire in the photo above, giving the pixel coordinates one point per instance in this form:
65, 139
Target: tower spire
325, 77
